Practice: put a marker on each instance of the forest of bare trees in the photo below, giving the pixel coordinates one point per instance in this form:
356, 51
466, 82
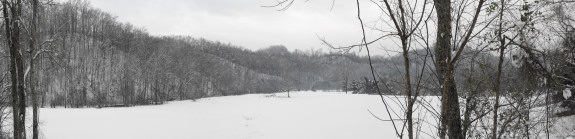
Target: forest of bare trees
496, 65
69, 54
531, 40
501, 67
83, 57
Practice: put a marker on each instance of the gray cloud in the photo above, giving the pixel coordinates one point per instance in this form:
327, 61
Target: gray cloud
245, 22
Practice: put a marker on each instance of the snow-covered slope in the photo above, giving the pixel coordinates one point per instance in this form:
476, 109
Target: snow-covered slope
313, 115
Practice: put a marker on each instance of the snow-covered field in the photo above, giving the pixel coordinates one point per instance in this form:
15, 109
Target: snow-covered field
313, 115
306, 115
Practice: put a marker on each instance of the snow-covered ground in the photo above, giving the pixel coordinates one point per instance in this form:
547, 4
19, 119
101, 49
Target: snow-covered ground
306, 115
313, 115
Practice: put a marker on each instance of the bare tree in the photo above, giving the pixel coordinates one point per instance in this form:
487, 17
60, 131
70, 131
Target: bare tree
499, 66
32, 85
450, 116
406, 20
12, 11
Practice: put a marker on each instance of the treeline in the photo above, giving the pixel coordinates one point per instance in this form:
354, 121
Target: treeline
86, 58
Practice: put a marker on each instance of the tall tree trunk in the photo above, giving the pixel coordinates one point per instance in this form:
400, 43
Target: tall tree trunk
441, 61
499, 66
410, 99
31, 74
16, 68
450, 117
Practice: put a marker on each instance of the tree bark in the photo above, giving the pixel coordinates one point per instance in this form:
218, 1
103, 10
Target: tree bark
31, 74
450, 117
499, 66
441, 61
11, 13
410, 99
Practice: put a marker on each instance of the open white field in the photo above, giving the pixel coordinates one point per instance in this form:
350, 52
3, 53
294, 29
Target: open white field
311, 115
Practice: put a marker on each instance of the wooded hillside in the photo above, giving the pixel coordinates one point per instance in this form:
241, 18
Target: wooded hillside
88, 58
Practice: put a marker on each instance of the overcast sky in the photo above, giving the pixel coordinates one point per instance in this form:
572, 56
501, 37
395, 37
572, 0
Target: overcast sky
246, 23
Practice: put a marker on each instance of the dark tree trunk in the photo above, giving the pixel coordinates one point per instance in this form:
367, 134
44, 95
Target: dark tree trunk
16, 67
499, 66
450, 117
408, 91
31, 74
451, 106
